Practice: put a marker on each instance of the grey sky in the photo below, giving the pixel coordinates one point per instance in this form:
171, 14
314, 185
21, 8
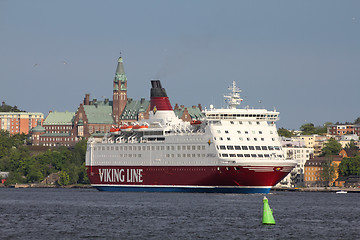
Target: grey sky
302, 57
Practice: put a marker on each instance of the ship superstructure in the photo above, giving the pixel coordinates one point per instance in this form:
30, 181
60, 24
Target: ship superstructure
231, 151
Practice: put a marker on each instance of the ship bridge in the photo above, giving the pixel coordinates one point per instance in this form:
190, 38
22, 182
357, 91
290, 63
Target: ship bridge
245, 114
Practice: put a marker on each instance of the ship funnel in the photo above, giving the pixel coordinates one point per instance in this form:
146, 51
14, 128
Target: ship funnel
158, 97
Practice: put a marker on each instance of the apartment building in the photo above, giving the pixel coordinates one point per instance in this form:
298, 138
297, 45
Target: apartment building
19, 122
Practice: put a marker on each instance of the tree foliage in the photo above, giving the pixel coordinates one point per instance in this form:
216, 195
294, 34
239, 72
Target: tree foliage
350, 166
332, 147
27, 168
357, 121
327, 172
285, 133
310, 129
64, 178
7, 108
351, 145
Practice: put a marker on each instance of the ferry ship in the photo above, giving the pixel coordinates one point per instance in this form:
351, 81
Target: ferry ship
231, 150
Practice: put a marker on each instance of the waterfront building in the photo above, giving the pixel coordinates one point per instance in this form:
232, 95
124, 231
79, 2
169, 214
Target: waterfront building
93, 117
56, 130
308, 140
344, 140
319, 144
126, 110
295, 149
346, 152
36, 132
343, 129
19, 122
314, 167
189, 114
349, 181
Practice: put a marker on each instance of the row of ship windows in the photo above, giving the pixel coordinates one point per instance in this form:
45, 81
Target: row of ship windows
199, 155
230, 147
250, 155
242, 139
147, 148
234, 116
246, 132
178, 169
240, 115
188, 155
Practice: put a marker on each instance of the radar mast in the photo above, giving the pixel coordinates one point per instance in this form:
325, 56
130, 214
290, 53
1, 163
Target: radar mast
233, 99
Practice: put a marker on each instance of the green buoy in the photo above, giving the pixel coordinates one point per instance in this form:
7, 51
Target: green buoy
268, 218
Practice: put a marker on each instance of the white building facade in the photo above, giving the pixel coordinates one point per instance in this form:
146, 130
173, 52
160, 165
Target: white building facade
298, 152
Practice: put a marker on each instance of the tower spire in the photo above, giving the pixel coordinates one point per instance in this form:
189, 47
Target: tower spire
119, 91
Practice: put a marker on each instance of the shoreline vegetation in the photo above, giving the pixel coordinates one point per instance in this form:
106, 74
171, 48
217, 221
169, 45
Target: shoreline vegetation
22, 163
41, 185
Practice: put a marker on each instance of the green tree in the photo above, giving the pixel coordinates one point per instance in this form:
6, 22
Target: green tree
64, 178
327, 172
332, 147
7, 108
24, 166
357, 121
15, 177
351, 145
350, 166
308, 129
83, 177
35, 174
285, 133
322, 129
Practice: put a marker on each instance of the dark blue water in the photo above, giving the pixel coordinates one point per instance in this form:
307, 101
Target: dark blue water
88, 213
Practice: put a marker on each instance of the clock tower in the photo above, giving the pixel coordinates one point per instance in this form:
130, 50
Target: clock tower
119, 91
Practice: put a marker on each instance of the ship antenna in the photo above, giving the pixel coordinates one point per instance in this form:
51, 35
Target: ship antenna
233, 99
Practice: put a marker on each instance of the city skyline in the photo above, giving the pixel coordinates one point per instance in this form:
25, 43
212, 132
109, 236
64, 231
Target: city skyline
301, 58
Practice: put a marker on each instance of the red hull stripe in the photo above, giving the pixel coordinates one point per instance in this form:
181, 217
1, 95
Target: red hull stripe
189, 176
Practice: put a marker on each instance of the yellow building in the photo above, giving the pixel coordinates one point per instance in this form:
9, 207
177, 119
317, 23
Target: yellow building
308, 140
314, 167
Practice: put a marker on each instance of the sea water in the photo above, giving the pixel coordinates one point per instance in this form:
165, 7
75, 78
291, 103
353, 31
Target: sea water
36, 213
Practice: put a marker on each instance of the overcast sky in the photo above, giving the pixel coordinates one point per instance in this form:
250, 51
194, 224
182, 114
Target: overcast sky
301, 57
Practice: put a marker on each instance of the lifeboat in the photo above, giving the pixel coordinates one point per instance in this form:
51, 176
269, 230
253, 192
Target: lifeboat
195, 122
126, 128
114, 131
140, 127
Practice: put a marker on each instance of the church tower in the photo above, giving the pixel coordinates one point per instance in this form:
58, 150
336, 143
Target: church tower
119, 91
